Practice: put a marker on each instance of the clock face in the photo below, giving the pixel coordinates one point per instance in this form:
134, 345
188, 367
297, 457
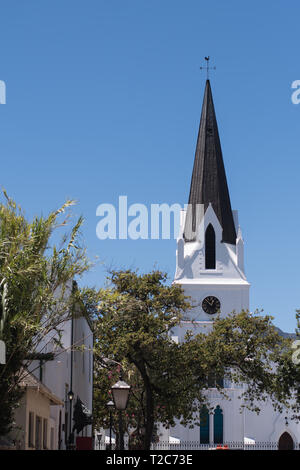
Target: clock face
211, 305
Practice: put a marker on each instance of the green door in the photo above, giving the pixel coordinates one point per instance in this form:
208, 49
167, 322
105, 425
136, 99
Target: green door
204, 426
218, 426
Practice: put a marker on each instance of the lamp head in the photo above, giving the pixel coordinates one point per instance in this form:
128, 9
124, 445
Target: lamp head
120, 392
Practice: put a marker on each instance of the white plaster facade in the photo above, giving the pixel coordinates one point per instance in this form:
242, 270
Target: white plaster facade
71, 369
229, 284
35, 427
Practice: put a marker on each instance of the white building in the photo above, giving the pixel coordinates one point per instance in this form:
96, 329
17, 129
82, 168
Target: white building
44, 415
210, 268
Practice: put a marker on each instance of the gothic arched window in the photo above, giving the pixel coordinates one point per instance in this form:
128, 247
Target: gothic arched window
215, 380
210, 248
204, 425
218, 425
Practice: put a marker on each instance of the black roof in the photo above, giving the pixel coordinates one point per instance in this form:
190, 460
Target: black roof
209, 184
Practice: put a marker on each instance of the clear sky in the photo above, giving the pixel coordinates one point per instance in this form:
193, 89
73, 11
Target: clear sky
104, 99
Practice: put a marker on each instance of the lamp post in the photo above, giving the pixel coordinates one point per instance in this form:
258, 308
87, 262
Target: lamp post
120, 392
99, 436
110, 405
70, 439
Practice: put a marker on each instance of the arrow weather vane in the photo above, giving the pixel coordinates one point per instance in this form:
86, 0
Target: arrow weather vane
208, 68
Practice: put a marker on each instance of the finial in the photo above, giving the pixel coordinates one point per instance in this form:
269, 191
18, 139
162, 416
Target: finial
208, 68
239, 234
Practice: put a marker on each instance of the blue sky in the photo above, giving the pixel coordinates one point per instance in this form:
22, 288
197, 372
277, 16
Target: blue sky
104, 99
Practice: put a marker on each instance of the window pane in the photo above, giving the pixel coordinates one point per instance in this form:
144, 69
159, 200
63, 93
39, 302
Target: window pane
45, 433
220, 381
30, 429
204, 426
38, 432
210, 248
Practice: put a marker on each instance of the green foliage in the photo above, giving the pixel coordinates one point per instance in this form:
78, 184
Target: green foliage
35, 276
133, 323
133, 326
298, 322
244, 348
288, 373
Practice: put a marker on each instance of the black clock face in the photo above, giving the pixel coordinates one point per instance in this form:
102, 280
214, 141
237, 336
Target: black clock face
211, 305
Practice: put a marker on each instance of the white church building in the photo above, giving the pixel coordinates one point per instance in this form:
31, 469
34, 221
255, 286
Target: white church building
210, 268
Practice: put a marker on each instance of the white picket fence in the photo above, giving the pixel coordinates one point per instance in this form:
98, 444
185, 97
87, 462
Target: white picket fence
195, 445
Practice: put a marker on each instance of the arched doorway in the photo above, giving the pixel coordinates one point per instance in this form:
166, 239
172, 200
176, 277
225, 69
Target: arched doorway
285, 442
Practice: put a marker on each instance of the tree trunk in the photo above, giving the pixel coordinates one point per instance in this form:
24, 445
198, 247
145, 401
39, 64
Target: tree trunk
149, 415
149, 403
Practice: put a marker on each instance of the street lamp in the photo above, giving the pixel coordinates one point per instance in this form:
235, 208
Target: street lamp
70, 397
120, 392
99, 436
110, 405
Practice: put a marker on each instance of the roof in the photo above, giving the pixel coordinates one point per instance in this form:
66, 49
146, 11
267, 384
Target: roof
209, 184
29, 381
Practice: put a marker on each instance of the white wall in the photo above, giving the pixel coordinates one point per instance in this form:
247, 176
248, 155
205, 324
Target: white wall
56, 374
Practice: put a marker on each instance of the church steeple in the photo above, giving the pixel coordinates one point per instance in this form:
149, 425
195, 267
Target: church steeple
209, 184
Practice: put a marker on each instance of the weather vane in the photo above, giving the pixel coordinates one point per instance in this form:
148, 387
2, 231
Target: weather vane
208, 68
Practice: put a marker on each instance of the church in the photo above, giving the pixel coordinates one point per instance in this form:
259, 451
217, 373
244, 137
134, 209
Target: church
210, 268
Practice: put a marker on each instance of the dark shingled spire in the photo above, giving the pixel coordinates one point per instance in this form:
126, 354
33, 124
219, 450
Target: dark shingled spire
209, 183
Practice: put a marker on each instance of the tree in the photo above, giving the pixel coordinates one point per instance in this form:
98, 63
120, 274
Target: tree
243, 348
288, 373
36, 279
133, 326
